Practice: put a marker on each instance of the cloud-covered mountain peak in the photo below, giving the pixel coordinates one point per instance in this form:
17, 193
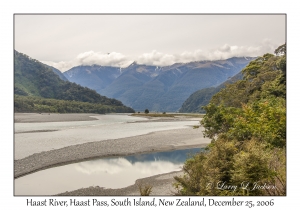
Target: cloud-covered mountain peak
157, 88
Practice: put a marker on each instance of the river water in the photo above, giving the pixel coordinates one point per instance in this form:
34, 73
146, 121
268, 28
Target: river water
118, 172
31, 138
107, 172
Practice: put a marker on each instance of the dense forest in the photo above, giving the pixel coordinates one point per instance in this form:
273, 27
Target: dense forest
247, 124
34, 82
200, 98
38, 104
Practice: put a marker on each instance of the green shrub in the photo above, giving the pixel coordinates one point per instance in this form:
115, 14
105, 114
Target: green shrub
145, 190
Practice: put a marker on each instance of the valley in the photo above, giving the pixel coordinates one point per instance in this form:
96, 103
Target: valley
159, 89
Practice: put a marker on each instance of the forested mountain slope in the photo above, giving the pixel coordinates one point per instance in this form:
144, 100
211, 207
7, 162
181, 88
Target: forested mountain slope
201, 98
35, 79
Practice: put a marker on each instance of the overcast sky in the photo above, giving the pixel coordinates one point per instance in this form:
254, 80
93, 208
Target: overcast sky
64, 41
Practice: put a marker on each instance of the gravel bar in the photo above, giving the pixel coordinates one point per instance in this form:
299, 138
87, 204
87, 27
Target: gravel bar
152, 142
53, 117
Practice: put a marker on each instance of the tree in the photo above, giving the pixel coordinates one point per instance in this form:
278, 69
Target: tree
146, 111
247, 124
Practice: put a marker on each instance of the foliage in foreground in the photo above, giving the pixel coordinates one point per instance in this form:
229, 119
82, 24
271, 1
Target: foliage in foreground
247, 124
234, 168
145, 190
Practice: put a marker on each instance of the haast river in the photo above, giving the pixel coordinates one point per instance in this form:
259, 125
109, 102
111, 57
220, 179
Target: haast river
33, 138
106, 172
117, 172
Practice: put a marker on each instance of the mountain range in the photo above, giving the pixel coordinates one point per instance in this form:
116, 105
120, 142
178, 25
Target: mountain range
34, 82
152, 87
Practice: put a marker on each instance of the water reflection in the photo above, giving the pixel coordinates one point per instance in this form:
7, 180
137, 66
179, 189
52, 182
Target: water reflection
108, 173
177, 156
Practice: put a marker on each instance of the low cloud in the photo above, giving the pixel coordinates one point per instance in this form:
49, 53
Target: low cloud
223, 52
104, 59
156, 58
90, 58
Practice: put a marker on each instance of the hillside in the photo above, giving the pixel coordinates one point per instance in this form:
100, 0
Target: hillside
202, 97
56, 71
246, 122
37, 80
152, 87
95, 77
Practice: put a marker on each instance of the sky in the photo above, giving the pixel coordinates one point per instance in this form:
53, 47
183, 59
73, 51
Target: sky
65, 41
